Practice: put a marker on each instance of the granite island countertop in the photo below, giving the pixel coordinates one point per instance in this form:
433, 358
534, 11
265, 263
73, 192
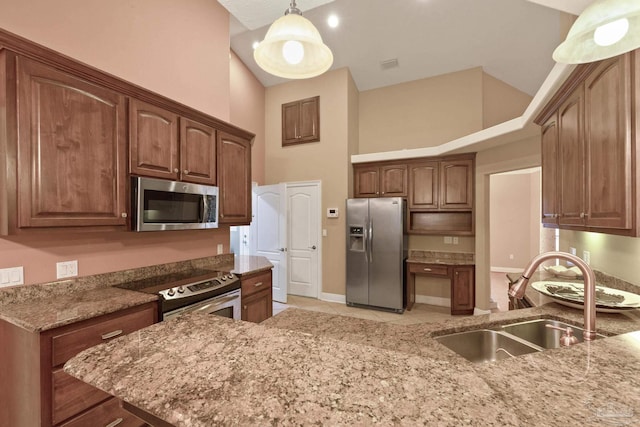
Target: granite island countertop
302, 367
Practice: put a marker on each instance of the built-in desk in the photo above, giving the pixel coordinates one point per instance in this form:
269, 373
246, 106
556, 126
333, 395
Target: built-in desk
458, 268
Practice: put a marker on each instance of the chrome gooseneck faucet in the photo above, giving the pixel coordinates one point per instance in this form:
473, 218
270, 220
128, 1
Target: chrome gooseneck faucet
518, 288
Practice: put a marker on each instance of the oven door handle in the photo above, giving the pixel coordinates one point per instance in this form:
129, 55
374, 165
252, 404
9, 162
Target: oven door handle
215, 303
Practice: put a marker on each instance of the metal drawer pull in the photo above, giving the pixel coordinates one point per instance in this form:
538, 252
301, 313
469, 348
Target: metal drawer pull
115, 423
112, 334
427, 269
258, 284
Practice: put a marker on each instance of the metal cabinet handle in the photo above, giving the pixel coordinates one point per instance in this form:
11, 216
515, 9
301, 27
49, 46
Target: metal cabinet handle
123, 215
258, 284
176, 170
186, 172
115, 423
427, 269
244, 307
583, 215
112, 334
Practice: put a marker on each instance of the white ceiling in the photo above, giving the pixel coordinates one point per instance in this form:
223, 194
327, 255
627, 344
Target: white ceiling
511, 39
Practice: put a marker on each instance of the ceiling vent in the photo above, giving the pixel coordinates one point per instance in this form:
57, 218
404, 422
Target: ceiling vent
389, 63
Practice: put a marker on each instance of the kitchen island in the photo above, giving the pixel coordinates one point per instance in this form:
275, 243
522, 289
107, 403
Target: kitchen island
202, 370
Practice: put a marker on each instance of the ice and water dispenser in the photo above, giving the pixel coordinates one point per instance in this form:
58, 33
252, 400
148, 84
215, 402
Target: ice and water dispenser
356, 238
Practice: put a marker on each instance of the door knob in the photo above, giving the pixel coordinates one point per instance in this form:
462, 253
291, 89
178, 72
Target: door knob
282, 249
313, 247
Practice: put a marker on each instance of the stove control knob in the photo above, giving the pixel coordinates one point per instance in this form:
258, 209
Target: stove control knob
180, 289
171, 292
223, 278
230, 276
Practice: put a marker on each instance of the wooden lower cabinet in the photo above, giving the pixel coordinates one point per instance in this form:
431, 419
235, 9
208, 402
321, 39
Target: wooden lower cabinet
463, 290
37, 392
257, 297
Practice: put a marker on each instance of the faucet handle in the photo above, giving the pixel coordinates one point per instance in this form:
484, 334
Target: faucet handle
567, 337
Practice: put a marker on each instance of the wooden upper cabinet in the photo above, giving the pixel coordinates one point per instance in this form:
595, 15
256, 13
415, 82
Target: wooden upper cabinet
456, 184
594, 155
388, 180
301, 121
234, 179
197, 152
153, 149
571, 157
72, 150
608, 145
550, 171
423, 185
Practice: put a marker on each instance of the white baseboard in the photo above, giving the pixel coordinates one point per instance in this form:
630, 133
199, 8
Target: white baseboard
438, 301
506, 269
324, 296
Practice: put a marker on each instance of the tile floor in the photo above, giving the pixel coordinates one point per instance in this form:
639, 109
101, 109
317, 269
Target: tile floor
421, 313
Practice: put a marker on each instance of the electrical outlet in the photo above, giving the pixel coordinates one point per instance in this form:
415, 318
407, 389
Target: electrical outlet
66, 269
220, 248
586, 256
511, 256
448, 240
11, 276
455, 240
572, 251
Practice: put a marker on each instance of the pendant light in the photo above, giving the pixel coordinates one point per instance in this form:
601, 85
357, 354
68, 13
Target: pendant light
606, 28
293, 48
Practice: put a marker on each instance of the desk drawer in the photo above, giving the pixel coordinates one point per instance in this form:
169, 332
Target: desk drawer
430, 269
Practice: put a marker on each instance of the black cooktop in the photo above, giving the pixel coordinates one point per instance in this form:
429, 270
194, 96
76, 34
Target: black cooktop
154, 284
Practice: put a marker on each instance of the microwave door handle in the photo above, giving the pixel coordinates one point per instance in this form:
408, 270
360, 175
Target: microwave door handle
204, 208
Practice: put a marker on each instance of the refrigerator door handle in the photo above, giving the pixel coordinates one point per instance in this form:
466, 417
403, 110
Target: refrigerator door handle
366, 243
371, 241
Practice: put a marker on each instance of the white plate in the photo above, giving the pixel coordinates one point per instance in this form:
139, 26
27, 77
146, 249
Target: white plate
572, 295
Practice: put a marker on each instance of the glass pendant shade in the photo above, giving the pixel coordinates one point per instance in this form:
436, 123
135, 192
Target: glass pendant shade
293, 49
605, 29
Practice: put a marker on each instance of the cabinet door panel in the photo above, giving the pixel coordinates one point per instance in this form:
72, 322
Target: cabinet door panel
456, 184
234, 179
72, 150
463, 290
423, 186
257, 307
310, 120
608, 142
571, 157
290, 123
393, 181
72, 396
550, 171
366, 181
153, 141
197, 152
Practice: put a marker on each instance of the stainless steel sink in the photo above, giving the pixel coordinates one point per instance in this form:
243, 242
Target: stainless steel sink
536, 332
485, 345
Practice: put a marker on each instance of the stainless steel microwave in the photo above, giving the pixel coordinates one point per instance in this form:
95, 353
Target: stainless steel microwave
158, 204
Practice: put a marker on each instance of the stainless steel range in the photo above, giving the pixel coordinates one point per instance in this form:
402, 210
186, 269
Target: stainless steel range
206, 291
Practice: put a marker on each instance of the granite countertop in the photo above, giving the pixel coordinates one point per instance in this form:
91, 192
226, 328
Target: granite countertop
250, 264
44, 313
444, 258
302, 367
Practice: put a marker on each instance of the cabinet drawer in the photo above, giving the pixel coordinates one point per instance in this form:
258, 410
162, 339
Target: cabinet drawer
431, 269
108, 414
256, 283
71, 396
67, 344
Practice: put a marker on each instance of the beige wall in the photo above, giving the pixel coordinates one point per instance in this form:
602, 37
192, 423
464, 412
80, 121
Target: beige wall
514, 219
513, 156
326, 160
247, 111
187, 61
177, 49
421, 113
615, 255
501, 102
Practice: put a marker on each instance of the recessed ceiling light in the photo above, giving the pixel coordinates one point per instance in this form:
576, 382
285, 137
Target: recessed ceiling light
255, 45
333, 21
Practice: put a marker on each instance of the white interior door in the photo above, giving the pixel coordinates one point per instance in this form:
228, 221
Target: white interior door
269, 233
304, 216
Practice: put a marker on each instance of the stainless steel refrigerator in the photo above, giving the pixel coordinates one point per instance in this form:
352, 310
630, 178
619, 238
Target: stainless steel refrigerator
376, 251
